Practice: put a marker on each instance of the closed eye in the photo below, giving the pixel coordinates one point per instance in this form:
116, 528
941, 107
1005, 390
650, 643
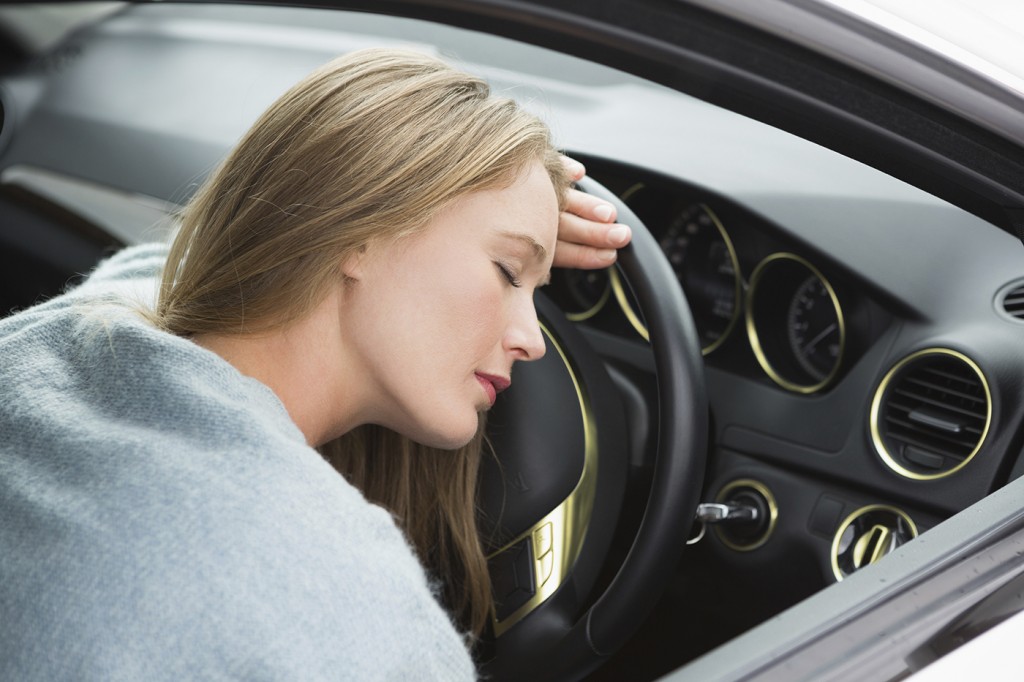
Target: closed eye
509, 274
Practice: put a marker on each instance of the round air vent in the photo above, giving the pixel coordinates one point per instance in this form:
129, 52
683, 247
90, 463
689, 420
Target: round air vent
4, 122
930, 414
1011, 300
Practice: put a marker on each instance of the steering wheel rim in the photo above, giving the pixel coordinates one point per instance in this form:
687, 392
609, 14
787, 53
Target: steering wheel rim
576, 644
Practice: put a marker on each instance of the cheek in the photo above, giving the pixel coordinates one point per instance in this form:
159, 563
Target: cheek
473, 310
452, 317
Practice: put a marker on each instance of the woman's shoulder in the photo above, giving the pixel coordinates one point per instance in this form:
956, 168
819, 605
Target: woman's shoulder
197, 533
141, 261
127, 280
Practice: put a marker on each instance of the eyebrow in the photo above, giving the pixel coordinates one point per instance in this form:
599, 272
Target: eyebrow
540, 253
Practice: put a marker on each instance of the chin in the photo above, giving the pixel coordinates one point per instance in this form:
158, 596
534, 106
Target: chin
451, 437
447, 441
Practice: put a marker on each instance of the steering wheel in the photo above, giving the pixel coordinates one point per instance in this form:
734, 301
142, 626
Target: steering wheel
550, 498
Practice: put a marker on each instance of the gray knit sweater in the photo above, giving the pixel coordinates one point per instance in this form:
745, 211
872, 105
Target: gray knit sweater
161, 517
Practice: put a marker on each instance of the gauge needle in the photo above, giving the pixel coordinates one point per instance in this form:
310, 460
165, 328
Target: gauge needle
814, 342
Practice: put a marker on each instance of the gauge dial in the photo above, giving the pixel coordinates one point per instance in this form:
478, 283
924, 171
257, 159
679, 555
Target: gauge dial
795, 323
814, 328
702, 255
587, 291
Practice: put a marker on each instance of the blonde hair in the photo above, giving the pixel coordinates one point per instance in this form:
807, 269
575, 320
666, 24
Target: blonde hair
369, 147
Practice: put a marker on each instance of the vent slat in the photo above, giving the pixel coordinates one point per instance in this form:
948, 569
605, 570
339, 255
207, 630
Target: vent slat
975, 430
938, 403
911, 434
949, 406
950, 374
950, 450
908, 407
903, 419
945, 390
937, 439
1013, 302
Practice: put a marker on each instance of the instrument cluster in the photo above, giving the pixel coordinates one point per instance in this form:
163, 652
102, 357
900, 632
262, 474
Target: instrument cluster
761, 303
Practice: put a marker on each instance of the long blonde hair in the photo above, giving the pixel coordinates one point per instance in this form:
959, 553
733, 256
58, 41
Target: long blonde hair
369, 147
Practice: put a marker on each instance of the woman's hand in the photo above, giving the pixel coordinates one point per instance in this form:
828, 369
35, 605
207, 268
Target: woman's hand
588, 235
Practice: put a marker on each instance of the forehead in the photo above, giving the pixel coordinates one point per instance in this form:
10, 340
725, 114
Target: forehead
527, 210
527, 241
523, 208
522, 215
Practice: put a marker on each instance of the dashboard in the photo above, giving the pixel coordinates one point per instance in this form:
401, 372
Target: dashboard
854, 416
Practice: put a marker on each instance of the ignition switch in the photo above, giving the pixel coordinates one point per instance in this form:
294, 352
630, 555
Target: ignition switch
743, 514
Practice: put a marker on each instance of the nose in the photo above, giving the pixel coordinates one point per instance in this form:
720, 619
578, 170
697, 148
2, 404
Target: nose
523, 338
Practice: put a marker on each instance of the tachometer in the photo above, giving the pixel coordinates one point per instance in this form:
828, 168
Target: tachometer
700, 251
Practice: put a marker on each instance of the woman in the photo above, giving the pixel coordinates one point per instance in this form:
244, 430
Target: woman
357, 277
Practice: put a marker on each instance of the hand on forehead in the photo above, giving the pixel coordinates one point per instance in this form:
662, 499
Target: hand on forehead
588, 235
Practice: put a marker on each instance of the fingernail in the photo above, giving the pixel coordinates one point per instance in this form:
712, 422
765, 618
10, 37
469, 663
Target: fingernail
618, 235
606, 254
577, 167
603, 212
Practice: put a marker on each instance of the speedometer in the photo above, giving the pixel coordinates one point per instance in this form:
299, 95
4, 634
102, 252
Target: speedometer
814, 329
704, 260
795, 323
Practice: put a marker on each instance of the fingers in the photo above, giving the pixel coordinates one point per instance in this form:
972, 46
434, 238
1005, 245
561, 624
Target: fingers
573, 228
587, 244
588, 235
588, 206
573, 167
572, 255
581, 203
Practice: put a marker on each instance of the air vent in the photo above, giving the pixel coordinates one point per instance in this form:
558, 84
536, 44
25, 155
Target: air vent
1013, 301
4, 132
931, 414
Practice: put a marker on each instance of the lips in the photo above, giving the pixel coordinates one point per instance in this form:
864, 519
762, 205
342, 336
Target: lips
492, 385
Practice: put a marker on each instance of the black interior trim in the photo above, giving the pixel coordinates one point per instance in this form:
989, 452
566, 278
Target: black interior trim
42, 247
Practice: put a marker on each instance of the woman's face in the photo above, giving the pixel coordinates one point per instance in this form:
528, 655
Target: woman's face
434, 322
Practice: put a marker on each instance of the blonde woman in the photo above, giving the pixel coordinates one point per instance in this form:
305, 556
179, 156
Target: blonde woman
347, 293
